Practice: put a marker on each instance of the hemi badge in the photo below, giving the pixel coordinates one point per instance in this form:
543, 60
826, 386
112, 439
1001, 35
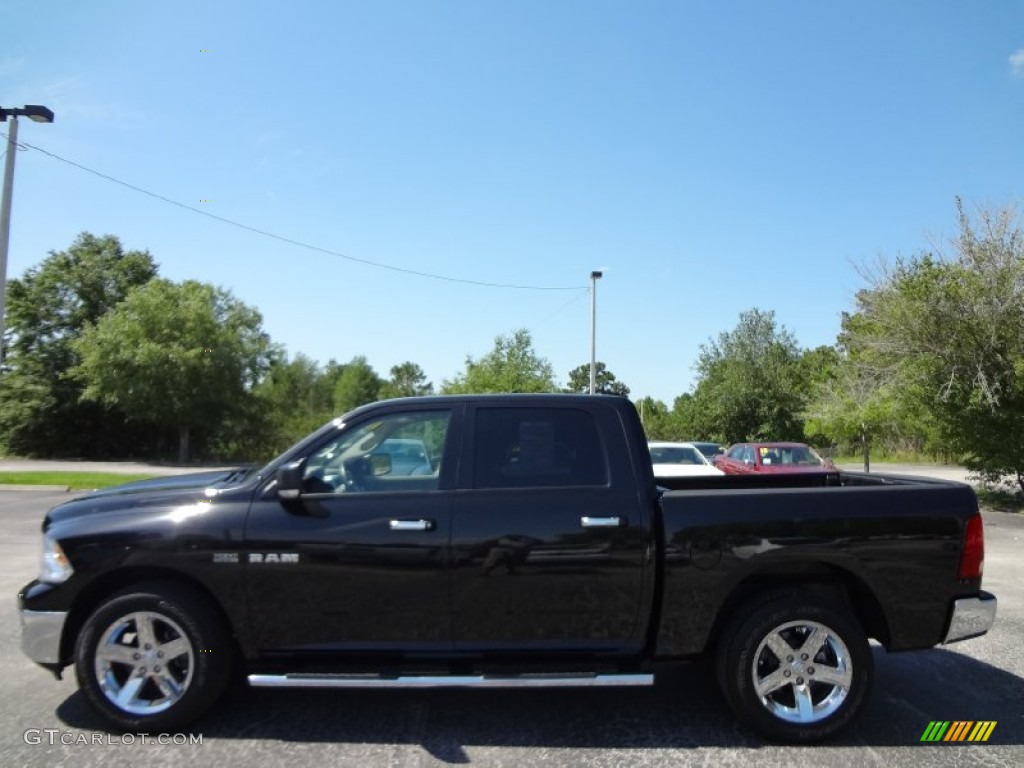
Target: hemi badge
225, 557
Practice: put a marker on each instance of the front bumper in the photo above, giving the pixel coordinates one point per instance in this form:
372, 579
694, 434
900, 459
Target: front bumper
972, 616
40, 635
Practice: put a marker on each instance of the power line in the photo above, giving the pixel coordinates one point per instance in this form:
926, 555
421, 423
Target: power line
291, 241
583, 292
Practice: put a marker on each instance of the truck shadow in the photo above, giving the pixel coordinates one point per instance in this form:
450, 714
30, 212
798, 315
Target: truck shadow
683, 711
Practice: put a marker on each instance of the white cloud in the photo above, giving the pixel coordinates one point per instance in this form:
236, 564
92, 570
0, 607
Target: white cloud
1017, 63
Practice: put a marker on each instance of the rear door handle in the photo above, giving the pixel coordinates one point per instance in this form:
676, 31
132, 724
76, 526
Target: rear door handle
412, 525
601, 522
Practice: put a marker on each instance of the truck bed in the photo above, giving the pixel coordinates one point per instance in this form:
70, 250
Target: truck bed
890, 544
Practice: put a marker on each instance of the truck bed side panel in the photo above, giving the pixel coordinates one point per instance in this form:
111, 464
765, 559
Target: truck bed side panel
900, 540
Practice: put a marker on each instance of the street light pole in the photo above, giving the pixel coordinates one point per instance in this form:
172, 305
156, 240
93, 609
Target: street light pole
40, 115
594, 277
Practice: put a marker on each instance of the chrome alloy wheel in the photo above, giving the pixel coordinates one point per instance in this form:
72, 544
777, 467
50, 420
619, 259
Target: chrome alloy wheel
144, 663
802, 671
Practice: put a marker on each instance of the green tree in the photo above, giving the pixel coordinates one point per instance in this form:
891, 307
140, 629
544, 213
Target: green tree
605, 382
658, 421
358, 384
750, 384
407, 380
685, 419
294, 397
820, 368
289, 402
820, 364
182, 355
512, 366
326, 383
41, 410
290, 389
854, 405
950, 335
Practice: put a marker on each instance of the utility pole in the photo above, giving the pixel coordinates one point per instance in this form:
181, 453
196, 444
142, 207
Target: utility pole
594, 277
40, 115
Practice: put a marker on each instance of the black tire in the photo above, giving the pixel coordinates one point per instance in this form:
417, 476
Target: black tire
819, 686
170, 683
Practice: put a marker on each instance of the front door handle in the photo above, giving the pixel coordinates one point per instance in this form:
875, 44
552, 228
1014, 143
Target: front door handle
601, 522
412, 525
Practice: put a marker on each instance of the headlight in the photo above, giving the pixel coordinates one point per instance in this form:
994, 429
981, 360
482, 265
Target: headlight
56, 568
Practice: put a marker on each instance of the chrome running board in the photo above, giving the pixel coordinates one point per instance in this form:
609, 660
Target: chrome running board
447, 681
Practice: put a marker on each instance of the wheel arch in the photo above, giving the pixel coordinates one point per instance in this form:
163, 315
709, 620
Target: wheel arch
101, 588
824, 580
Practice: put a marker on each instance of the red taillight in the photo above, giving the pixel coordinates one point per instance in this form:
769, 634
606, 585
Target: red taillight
972, 558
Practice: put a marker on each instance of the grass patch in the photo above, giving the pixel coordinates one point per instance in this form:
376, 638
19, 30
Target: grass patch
1000, 499
904, 457
74, 480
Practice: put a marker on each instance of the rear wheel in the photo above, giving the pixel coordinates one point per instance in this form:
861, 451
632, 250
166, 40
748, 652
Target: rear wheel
153, 658
795, 668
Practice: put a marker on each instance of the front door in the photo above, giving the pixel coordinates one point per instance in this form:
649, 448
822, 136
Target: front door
359, 561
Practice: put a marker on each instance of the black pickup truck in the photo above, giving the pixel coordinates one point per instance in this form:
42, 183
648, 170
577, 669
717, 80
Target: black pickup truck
498, 541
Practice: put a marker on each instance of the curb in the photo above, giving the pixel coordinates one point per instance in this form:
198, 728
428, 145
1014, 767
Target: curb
51, 488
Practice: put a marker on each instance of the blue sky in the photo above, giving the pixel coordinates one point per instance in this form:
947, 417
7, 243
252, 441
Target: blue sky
710, 156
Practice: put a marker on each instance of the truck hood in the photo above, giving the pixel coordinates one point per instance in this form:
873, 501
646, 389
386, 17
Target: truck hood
203, 479
146, 497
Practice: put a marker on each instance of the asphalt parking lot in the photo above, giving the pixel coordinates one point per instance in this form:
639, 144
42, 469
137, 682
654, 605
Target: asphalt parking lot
682, 721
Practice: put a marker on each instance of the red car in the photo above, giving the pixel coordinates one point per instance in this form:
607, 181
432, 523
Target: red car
772, 458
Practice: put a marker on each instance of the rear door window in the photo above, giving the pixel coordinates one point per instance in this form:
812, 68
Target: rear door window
537, 447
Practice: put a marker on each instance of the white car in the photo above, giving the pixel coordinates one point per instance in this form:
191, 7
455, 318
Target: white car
679, 460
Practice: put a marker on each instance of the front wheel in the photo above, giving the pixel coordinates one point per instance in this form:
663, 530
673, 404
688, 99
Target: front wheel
153, 658
795, 668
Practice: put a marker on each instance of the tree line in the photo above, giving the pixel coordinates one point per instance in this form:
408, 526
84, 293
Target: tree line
930, 360
104, 358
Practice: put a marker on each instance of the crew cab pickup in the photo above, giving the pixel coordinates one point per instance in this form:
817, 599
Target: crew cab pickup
531, 547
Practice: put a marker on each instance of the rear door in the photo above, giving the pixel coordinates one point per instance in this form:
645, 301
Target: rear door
548, 537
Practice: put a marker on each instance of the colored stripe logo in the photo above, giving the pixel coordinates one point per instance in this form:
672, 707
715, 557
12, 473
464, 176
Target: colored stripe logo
959, 730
